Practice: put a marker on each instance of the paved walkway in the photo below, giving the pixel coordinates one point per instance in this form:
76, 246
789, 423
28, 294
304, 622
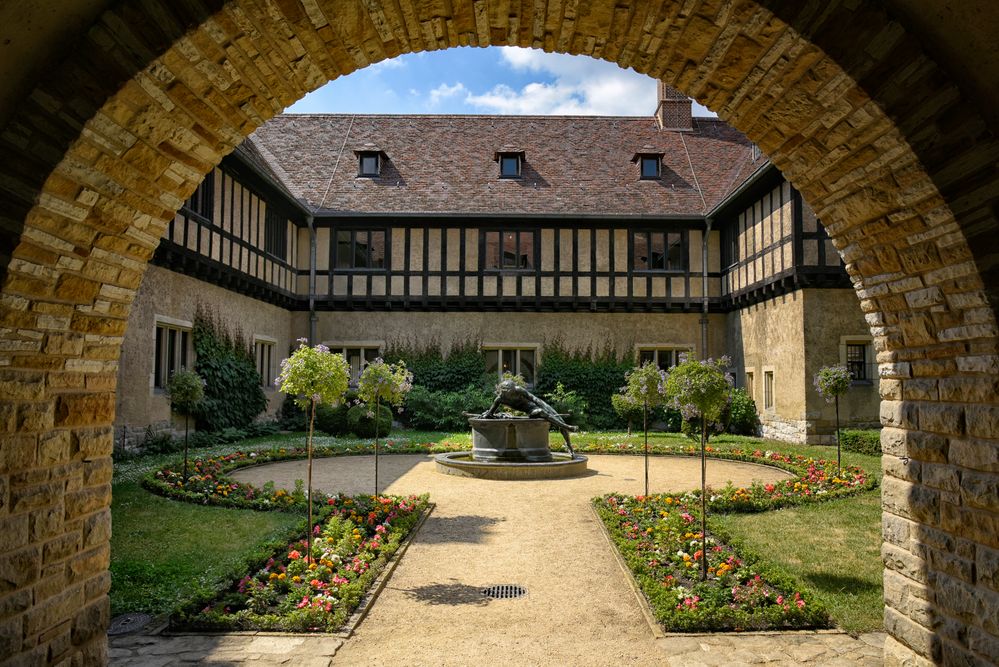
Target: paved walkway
541, 535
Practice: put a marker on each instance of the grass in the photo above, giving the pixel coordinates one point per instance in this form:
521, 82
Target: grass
164, 553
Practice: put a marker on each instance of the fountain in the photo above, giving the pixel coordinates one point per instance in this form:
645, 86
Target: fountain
505, 446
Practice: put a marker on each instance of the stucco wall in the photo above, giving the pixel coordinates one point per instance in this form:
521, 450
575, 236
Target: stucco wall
623, 331
829, 316
767, 337
167, 294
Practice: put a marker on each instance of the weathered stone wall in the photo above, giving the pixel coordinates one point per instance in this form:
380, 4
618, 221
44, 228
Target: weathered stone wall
165, 293
103, 152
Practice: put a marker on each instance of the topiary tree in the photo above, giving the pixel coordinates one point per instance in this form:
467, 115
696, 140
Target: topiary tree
626, 408
388, 383
185, 389
314, 376
646, 388
831, 383
700, 390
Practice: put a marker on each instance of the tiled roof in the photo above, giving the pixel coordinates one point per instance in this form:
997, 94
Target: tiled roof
573, 165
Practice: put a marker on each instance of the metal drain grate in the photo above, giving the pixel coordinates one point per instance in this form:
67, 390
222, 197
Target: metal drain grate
504, 591
122, 625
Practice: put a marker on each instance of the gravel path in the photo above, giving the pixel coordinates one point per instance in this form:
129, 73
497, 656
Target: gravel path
540, 535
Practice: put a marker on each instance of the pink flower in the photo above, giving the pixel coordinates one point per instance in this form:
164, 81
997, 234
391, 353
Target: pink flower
780, 599
294, 555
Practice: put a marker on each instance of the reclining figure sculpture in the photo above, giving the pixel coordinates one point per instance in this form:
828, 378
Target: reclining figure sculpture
509, 394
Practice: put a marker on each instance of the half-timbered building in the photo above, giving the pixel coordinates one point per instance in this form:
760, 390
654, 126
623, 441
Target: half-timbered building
652, 235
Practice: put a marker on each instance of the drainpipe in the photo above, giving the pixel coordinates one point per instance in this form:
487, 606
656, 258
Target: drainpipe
313, 319
704, 288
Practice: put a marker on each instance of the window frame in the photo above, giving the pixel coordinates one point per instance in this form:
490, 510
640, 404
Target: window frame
202, 201
275, 233
655, 159
363, 346
750, 383
503, 156
870, 367
684, 235
335, 232
260, 345
516, 349
367, 155
182, 356
769, 389
502, 232
675, 349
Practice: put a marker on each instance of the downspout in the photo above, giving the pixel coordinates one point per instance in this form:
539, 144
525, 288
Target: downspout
704, 288
313, 319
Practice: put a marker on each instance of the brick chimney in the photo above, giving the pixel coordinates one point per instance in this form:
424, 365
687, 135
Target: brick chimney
673, 112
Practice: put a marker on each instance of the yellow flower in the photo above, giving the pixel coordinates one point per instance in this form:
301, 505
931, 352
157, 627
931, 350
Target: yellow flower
296, 579
282, 576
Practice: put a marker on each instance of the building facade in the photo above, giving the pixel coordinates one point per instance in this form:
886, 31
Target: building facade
652, 236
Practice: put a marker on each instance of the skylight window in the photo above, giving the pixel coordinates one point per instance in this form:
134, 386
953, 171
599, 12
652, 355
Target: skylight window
511, 162
650, 166
369, 164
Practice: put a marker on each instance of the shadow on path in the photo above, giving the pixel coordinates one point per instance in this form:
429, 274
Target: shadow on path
448, 594
468, 528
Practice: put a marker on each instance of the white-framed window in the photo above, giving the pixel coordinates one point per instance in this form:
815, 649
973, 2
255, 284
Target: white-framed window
263, 351
173, 349
663, 356
857, 354
516, 359
768, 389
750, 384
358, 355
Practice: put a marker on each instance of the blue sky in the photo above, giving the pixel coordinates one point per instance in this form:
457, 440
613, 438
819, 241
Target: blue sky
496, 80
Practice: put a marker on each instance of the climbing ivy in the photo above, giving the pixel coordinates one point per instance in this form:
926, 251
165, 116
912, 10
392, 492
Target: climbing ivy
594, 375
224, 359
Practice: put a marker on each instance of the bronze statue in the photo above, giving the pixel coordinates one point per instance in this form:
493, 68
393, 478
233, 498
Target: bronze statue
509, 394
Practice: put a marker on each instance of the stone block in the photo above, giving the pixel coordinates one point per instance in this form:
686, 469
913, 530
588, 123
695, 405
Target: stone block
894, 441
932, 367
904, 562
15, 603
90, 563
87, 500
980, 455
68, 344
902, 468
53, 448
53, 579
969, 389
97, 529
917, 637
899, 414
97, 471
94, 442
950, 564
987, 566
27, 498
896, 530
11, 635
985, 646
61, 547
912, 501
15, 531
921, 389
979, 364
19, 569
54, 610
980, 490
970, 523
942, 477
955, 597
76, 289
98, 586
941, 418
84, 409
982, 420
897, 654
890, 390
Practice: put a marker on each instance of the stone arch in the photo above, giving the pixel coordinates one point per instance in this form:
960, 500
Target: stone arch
100, 156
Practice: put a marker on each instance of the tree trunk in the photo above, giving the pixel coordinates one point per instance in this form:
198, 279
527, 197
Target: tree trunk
377, 408
186, 421
645, 425
839, 466
704, 505
308, 539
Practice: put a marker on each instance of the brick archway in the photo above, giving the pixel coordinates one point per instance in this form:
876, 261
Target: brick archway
100, 157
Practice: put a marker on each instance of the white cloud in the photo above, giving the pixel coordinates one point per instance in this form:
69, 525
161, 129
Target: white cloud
577, 85
388, 63
444, 91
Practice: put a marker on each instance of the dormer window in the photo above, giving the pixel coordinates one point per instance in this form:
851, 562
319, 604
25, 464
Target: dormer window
650, 165
510, 163
369, 161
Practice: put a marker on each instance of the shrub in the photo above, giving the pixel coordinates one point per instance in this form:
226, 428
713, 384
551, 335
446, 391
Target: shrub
464, 365
233, 395
291, 417
332, 419
159, 443
594, 377
742, 416
861, 441
363, 426
571, 404
444, 410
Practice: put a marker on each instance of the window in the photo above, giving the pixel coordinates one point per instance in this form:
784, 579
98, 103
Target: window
275, 234
510, 164
360, 249
264, 352
768, 390
172, 351
203, 200
515, 360
750, 386
659, 251
856, 361
651, 165
358, 357
663, 357
369, 164
509, 249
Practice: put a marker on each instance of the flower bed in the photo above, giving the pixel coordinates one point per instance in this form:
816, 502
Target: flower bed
660, 540
302, 592
814, 480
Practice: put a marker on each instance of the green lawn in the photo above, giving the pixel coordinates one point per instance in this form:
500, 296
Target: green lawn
164, 553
